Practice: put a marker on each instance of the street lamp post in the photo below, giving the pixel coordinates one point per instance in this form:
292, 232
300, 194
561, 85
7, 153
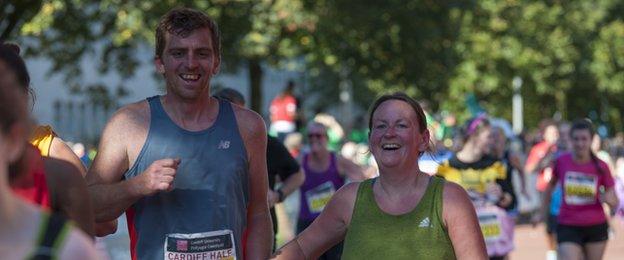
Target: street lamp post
517, 116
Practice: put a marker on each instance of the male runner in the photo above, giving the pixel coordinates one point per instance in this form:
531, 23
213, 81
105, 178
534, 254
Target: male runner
190, 170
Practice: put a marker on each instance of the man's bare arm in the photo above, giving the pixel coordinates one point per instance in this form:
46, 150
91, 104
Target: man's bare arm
110, 195
260, 233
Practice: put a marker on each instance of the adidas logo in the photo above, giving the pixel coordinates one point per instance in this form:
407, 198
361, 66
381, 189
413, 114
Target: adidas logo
425, 223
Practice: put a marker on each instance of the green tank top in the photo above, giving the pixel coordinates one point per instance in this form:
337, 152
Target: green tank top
418, 234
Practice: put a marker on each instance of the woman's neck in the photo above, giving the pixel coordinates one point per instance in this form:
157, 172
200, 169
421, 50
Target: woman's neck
320, 155
470, 153
398, 183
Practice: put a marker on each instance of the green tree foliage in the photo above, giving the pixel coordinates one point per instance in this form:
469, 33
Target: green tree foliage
253, 33
570, 54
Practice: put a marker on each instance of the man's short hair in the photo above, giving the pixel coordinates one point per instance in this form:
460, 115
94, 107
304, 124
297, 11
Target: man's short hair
182, 22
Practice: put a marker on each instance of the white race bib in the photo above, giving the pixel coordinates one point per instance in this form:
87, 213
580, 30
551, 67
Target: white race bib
207, 245
318, 197
580, 188
491, 226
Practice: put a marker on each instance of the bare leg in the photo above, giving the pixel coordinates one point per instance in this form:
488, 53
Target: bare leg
551, 254
552, 241
570, 251
595, 250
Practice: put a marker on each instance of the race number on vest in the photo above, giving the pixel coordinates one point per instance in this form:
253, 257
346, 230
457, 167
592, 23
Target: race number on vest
580, 188
318, 197
208, 245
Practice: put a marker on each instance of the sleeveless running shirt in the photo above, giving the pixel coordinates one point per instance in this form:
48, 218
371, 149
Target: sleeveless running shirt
418, 234
204, 217
318, 188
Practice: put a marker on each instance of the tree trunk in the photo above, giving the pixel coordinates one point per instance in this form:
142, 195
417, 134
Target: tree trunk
255, 85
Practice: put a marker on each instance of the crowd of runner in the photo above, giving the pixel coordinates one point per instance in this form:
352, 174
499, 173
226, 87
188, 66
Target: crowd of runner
198, 175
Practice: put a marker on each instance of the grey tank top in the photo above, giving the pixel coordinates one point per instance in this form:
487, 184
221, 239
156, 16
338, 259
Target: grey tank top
205, 214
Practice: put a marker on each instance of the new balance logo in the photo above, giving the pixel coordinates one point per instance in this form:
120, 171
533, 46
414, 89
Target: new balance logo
223, 145
425, 223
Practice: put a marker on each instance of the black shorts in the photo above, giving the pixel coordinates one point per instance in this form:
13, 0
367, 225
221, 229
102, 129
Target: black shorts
551, 224
582, 234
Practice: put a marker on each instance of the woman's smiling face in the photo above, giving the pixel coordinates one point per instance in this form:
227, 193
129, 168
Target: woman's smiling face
395, 137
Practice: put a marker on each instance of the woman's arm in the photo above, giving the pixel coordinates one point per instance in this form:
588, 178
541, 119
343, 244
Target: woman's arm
461, 223
611, 199
326, 231
545, 209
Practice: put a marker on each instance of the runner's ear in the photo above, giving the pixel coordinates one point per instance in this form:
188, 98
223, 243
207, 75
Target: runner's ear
424, 144
160, 67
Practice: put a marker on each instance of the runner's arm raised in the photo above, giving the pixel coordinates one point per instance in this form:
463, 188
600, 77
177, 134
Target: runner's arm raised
461, 223
259, 227
327, 230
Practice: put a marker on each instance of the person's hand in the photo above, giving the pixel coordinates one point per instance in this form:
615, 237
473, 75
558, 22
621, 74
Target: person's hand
493, 192
158, 177
273, 198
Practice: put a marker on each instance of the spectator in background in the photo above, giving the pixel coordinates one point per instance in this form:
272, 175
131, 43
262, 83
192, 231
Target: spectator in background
542, 154
539, 161
283, 112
